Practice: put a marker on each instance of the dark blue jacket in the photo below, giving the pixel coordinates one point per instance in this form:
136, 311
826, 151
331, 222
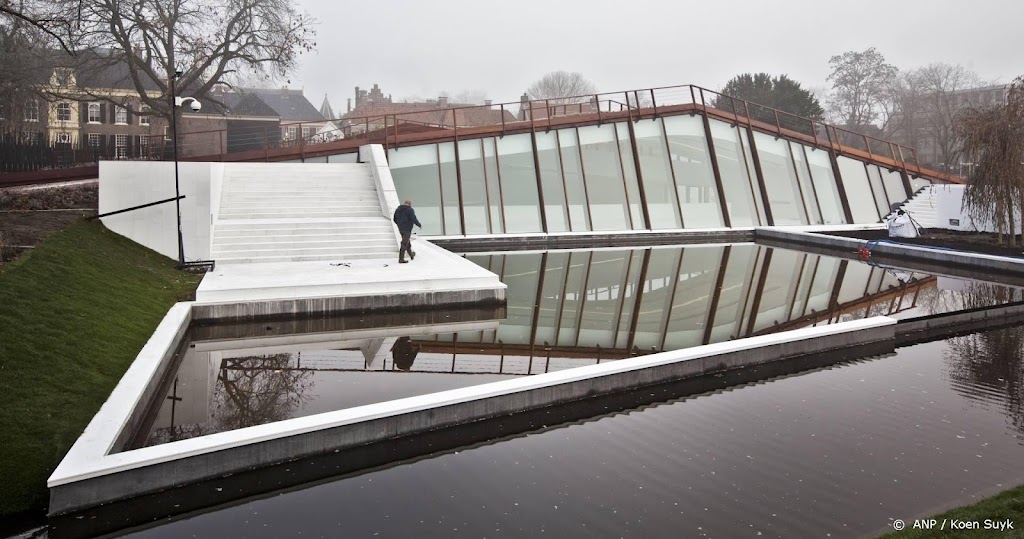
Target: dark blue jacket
405, 217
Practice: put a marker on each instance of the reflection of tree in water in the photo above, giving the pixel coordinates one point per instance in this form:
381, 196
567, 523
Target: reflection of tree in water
257, 390
177, 432
992, 361
974, 295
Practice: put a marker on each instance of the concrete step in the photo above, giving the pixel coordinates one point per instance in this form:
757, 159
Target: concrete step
225, 237
260, 197
308, 224
286, 207
298, 187
291, 245
298, 230
286, 213
339, 257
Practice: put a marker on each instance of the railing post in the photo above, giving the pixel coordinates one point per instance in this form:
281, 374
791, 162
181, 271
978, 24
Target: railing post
778, 126
867, 145
654, 103
503, 119
597, 102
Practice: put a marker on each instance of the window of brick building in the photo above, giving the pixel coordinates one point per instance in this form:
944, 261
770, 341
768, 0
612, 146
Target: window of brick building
120, 116
94, 113
32, 110
63, 112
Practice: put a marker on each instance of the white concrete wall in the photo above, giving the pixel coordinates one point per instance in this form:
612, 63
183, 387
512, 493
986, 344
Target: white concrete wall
124, 184
950, 210
375, 156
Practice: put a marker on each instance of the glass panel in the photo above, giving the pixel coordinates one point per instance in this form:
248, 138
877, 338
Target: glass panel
522, 272
494, 187
740, 273
603, 172
449, 188
657, 174
894, 189
739, 193
661, 274
695, 177
804, 286
354, 157
689, 311
629, 173
579, 213
552, 297
825, 186
519, 183
604, 294
573, 300
881, 201
629, 297
414, 170
858, 190
823, 285
752, 174
474, 197
875, 282
784, 195
855, 282
551, 181
779, 288
804, 175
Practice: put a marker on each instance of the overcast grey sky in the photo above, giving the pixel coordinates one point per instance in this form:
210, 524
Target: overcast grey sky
423, 47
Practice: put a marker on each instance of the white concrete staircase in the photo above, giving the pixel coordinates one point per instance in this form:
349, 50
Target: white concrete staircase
922, 207
283, 212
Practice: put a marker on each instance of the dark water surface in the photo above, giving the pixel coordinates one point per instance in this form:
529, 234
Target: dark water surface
836, 452
565, 309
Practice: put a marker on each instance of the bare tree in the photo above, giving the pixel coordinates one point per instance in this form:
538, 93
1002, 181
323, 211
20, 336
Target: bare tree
562, 87
208, 42
861, 83
58, 26
993, 138
466, 97
941, 85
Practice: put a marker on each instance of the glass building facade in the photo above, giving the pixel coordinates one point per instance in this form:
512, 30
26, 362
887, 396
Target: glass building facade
666, 173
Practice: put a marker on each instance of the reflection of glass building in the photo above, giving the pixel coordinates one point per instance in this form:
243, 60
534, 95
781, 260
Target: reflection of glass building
628, 301
670, 172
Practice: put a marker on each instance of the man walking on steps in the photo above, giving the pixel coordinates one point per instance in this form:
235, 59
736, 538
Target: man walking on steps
405, 217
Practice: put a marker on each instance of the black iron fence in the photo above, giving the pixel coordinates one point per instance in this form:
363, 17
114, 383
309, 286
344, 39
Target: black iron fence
21, 152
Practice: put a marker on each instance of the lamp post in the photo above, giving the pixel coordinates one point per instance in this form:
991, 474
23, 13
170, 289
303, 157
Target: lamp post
196, 106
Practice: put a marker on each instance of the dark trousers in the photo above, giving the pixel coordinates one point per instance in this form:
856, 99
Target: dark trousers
406, 244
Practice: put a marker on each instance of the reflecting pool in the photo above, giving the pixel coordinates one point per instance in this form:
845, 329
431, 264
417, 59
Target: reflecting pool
566, 309
840, 451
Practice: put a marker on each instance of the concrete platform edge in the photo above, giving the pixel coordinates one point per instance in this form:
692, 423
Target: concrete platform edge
179, 463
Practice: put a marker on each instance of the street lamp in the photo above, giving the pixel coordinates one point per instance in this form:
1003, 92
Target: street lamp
196, 106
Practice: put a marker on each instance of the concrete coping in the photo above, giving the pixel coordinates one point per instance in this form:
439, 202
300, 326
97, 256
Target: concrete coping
895, 249
91, 456
660, 232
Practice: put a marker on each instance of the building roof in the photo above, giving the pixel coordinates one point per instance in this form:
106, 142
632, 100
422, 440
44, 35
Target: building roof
94, 69
430, 113
325, 109
290, 105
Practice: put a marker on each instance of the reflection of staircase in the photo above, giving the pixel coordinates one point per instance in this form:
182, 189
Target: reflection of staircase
923, 207
298, 212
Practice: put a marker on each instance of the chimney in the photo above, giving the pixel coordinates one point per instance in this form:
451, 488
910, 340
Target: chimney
442, 102
284, 91
349, 107
487, 102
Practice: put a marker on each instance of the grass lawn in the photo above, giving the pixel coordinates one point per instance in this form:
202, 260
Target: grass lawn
74, 313
1007, 505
